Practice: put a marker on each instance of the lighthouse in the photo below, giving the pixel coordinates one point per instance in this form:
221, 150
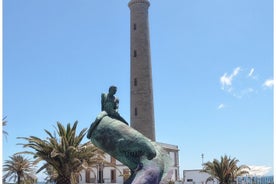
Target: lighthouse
141, 92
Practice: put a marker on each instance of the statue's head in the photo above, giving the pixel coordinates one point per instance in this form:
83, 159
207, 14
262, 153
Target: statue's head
112, 89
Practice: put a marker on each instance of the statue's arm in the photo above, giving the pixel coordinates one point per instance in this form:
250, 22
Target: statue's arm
103, 98
116, 104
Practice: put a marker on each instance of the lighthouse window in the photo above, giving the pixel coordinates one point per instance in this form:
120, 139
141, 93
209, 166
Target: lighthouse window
134, 26
135, 111
135, 82
134, 53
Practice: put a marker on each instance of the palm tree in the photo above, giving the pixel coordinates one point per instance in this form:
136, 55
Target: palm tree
226, 170
51, 174
64, 153
4, 123
19, 169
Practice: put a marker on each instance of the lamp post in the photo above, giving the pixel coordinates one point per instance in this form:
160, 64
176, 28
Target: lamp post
202, 159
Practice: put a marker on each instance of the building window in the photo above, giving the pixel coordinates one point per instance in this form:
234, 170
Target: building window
100, 174
113, 176
176, 174
135, 82
134, 53
134, 26
135, 111
189, 180
87, 176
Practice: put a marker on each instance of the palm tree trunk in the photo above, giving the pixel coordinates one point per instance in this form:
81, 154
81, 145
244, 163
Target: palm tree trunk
64, 180
18, 178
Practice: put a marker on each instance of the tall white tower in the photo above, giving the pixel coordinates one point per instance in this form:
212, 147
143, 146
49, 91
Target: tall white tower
142, 110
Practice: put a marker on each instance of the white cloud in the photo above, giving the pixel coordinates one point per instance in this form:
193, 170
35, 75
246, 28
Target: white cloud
251, 72
243, 84
269, 83
221, 106
226, 80
259, 170
236, 71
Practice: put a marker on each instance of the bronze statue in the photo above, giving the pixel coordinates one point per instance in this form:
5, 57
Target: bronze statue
110, 104
148, 162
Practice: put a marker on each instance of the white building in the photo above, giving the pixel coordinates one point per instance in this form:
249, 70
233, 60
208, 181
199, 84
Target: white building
107, 174
173, 152
197, 177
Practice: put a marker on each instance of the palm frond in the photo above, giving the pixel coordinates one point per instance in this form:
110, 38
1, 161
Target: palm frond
226, 170
18, 168
64, 153
4, 123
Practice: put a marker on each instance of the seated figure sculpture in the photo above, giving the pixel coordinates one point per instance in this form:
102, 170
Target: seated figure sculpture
147, 161
110, 104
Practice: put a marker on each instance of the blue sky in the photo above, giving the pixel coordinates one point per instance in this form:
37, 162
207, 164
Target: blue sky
212, 67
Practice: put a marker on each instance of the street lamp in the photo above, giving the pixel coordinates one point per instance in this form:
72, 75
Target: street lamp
202, 158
